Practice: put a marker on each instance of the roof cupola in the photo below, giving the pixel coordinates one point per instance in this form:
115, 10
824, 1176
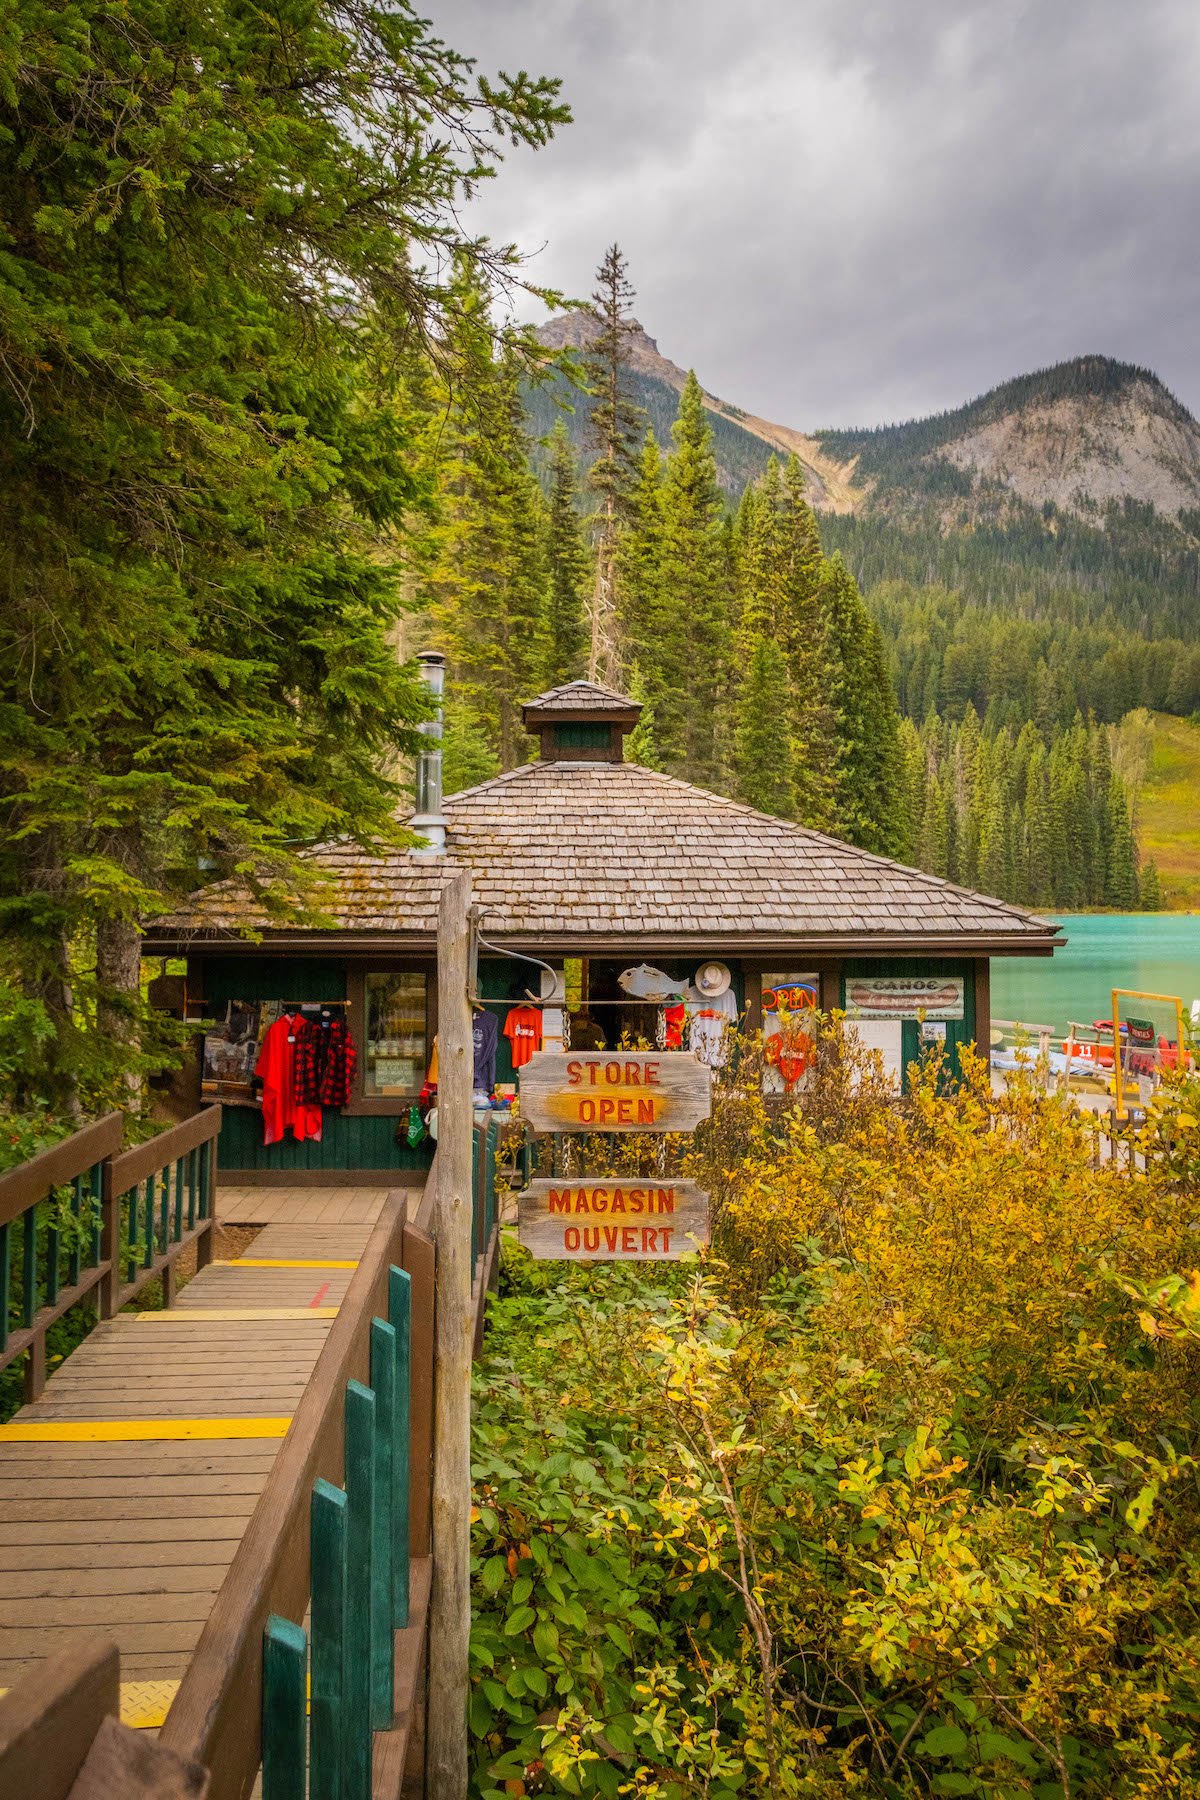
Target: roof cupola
581, 722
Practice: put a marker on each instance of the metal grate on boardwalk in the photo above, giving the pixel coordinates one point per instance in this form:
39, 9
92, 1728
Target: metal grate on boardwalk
125, 1489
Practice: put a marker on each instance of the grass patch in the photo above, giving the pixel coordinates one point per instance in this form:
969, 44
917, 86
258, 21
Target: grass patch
1169, 811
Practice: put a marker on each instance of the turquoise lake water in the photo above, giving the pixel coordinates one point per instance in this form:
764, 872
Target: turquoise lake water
1156, 952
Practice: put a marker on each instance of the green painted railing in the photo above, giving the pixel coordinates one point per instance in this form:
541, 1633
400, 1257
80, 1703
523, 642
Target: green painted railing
358, 1590
83, 1216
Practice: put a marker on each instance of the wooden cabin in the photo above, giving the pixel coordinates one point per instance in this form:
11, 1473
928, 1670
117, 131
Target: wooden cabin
590, 864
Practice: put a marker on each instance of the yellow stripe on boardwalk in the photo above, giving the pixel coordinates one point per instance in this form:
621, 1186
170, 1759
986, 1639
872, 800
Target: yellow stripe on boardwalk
282, 1262
144, 1704
128, 1431
183, 1315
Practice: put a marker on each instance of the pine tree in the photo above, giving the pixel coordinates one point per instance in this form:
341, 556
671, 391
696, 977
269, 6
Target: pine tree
1151, 890
912, 763
1122, 884
568, 565
868, 789
640, 579
614, 430
760, 748
801, 627
488, 588
696, 581
1038, 874
206, 444
640, 746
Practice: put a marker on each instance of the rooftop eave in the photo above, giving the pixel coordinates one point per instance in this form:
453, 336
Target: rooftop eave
178, 941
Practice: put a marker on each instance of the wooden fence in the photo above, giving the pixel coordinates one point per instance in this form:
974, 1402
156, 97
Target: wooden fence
340, 1537
85, 1216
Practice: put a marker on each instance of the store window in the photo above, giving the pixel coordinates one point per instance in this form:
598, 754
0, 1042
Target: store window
396, 1036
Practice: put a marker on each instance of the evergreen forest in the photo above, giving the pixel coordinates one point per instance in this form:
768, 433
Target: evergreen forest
968, 737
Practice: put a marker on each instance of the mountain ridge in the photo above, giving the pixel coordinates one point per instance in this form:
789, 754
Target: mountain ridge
1075, 437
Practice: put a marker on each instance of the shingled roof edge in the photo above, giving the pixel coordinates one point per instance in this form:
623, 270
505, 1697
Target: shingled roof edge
1004, 907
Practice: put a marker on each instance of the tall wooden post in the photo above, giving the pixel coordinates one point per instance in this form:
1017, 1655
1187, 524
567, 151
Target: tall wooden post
450, 1606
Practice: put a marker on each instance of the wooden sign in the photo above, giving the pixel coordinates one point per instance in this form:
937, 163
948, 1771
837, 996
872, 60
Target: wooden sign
904, 997
601, 1218
595, 1090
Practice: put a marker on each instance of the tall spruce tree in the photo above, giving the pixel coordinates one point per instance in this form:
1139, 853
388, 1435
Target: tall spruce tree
764, 776
487, 591
568, 567
614, 431
868, 774
219, 226
696, 583
804, 640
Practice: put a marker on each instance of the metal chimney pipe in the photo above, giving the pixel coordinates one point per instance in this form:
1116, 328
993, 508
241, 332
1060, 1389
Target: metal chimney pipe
429, 819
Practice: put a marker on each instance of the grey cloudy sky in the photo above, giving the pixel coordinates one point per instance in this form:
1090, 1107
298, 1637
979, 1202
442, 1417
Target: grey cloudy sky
845, 211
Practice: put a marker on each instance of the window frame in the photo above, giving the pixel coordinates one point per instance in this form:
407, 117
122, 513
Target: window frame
361, 1104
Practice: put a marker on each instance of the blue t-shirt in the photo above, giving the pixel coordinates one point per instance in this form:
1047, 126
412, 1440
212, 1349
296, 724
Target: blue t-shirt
486, 1031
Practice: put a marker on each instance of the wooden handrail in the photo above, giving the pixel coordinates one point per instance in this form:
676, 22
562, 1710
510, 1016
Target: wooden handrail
145, 1159
31, 1181
215, 1718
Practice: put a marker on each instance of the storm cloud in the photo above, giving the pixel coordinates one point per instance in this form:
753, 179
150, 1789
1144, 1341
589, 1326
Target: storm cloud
844, 213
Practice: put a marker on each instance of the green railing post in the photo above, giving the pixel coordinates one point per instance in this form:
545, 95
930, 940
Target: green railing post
206, 1178
191, 1168
489, 1192
53, 1251
178, 1232
474, 1199
73, 1254
133, 1201
148, 1251
356, 1669
400, 1314
29, 1266
164, 1209
383, 1380
327, 1529
283, 1708
97, 1188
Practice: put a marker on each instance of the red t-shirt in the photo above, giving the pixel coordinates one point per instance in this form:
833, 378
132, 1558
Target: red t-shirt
523, 1029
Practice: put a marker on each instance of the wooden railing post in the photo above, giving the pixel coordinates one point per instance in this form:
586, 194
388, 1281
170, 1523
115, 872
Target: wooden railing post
450, 1611
49, 1718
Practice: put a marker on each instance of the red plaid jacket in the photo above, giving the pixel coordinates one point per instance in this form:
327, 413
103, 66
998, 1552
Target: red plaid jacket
325, 1062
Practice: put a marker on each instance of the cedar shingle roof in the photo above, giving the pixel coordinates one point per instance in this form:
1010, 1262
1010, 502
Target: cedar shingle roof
579, 696
566, 849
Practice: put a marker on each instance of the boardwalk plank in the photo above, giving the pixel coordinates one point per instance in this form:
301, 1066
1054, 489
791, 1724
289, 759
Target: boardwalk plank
134, 1539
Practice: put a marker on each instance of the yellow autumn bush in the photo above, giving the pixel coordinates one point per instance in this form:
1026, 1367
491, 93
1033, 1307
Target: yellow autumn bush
897, 1495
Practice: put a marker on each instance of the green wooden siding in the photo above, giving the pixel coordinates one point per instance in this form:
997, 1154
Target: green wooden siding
958, 1031
347, 1141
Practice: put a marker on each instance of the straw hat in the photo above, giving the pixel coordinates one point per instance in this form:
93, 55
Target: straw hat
713, 979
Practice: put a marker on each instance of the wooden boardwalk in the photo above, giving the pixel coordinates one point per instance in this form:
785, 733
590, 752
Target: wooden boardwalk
125, 1489
324, 1206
